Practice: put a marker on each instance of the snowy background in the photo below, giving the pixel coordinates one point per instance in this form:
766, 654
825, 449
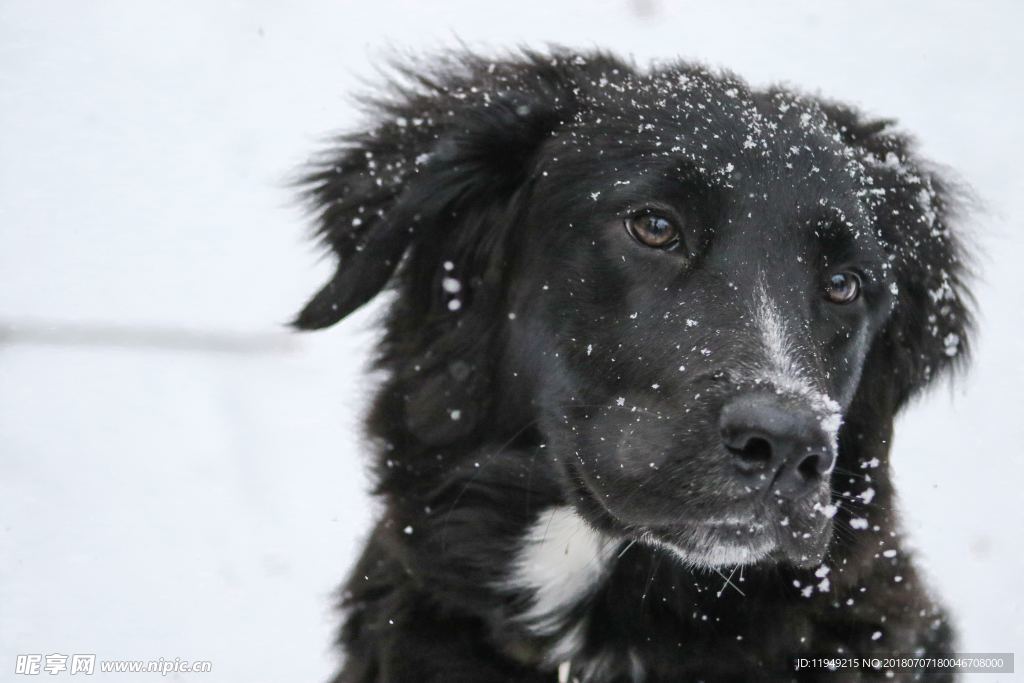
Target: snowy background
179, 477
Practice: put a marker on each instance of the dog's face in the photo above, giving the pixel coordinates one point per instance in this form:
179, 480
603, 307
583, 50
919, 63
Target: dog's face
689, 286
704, 316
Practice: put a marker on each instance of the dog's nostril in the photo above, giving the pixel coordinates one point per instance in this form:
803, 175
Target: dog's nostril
755, 452
811, 466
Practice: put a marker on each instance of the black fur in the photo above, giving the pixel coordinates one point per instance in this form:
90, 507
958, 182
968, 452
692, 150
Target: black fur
513, 177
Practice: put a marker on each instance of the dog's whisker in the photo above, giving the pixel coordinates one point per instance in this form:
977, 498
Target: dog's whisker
627, 547
655, 565
728, 582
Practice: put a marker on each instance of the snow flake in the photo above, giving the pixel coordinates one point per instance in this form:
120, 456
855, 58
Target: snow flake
952, 344
831, 423
828, 511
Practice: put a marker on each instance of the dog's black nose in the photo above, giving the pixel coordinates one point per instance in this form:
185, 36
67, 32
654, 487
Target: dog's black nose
776, 445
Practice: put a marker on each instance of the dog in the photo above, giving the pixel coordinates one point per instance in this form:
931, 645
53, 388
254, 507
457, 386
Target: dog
649, 332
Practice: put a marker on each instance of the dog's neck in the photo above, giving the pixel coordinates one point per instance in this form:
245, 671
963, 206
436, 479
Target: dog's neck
575, 580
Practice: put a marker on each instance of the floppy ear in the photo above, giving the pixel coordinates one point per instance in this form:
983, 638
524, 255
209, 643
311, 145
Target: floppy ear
916, 212
447, 147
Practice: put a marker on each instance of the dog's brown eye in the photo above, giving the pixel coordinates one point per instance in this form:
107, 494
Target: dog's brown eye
843, 288
652, 229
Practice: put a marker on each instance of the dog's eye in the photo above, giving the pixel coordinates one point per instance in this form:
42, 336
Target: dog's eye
653, 229
843, 288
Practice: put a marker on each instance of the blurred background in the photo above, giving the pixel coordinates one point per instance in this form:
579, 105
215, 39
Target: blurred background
182, 477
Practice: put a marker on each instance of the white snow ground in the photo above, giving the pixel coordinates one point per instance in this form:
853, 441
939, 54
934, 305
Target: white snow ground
204, 504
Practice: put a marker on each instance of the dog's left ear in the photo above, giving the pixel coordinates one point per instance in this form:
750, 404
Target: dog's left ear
917, 214
445, 153
427, 199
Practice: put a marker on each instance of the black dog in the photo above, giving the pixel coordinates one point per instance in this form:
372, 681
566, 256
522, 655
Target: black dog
649, 336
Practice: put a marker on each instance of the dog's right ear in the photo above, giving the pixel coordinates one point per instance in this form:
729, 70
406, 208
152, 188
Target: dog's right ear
444, 143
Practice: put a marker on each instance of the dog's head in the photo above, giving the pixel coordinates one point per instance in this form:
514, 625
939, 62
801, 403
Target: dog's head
702, 299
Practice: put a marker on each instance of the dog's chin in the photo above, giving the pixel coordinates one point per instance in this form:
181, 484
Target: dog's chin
726, 543
773, 537
715, 544
797, 539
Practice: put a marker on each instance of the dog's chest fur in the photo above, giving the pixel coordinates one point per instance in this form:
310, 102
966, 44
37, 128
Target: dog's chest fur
561, 563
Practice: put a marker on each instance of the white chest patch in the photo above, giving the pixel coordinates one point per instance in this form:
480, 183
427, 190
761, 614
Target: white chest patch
561, 561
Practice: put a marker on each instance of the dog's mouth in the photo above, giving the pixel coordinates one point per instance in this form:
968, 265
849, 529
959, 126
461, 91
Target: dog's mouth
716, 543
766, 534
